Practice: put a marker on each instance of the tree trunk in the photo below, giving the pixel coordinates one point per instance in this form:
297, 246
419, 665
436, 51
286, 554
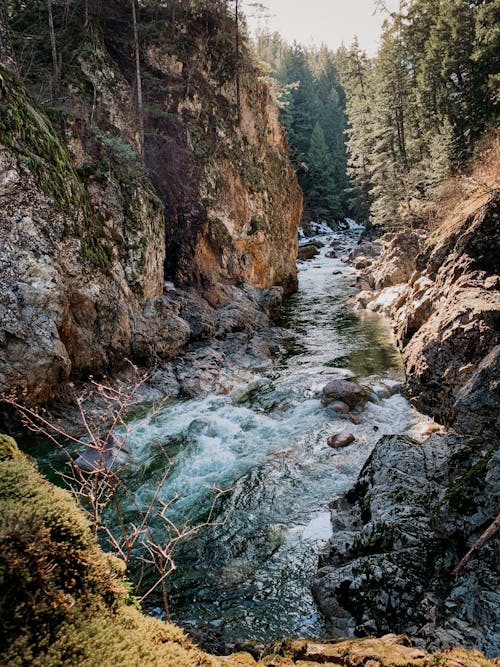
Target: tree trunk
237, 56
488, 533
6, 54
52, 32
138, 80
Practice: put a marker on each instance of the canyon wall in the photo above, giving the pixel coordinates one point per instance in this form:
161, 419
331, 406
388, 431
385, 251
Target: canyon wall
418, 507
106, 256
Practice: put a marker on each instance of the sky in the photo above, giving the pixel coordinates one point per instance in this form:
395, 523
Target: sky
330, 22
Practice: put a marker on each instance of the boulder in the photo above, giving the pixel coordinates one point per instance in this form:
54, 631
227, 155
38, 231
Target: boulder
339, 407
362, 263
307, 251
107, 454
331, 254
351, 393
340, 440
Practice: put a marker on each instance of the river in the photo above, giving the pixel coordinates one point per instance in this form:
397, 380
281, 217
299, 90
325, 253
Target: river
249, 577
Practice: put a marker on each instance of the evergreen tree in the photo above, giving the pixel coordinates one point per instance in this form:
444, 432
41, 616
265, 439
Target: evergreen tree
356, 77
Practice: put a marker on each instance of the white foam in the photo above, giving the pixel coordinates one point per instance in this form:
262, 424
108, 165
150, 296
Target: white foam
319, 528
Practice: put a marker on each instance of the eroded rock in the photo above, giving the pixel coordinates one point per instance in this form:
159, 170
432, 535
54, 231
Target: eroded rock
350, 393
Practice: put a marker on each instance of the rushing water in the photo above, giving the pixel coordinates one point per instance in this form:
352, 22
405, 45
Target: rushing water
249, 578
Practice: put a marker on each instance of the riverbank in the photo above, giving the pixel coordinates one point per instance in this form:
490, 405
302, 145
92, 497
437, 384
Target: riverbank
416, 509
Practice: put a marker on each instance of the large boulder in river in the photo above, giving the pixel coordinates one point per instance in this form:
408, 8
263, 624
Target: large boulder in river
308, 251
354, 395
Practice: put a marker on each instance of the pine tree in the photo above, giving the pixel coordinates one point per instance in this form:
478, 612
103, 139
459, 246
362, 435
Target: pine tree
356, 77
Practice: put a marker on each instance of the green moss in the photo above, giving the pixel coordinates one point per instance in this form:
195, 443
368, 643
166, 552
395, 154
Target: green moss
31, 135
62, 600
257, 225
219, 233
8, 448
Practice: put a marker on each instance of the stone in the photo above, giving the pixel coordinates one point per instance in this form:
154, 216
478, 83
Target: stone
354, 395
394, 540
331, 254
340, 440
478, 400
339, 407
307, 251
110, 453
362, 263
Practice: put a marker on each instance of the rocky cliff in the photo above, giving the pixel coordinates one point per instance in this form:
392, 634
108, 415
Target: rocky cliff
108, 256
417, 508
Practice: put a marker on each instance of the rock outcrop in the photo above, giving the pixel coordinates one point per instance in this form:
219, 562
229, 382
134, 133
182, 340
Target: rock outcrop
450, 325
399, 533
445, 309
89, 234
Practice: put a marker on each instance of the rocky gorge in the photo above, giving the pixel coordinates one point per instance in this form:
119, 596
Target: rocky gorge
290, 434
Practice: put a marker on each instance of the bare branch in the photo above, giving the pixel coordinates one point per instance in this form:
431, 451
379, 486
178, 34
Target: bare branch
488, 533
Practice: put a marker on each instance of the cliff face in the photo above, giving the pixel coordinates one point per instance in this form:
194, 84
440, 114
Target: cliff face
89, 234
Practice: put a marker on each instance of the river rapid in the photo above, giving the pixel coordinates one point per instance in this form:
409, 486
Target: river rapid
249, 578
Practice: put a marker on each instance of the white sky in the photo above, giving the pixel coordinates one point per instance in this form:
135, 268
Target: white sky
330, 22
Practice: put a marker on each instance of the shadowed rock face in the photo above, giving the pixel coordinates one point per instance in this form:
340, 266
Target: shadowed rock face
398, 534
88, 236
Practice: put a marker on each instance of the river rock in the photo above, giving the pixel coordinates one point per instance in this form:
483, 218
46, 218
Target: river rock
340, 440
331, 254
362, 263
107, 454
398, 533
354, 395
84, 258
478, 400
339, 407
307, 251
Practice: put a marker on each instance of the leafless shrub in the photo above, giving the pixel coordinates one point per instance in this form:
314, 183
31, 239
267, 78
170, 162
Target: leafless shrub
96, 480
